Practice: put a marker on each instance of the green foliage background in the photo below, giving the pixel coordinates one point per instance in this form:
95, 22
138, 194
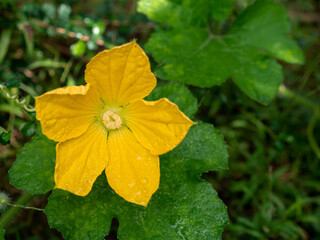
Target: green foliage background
233, 64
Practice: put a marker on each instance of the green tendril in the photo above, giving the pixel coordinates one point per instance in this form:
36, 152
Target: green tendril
14, 98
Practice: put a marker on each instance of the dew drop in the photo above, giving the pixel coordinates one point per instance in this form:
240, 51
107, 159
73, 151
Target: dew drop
138, 197
144, 181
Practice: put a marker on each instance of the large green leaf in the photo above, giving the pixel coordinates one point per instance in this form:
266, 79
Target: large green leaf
177, 93
194, 55
184, 206
34, 167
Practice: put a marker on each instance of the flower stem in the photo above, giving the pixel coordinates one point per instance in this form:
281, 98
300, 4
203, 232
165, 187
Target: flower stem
14, 209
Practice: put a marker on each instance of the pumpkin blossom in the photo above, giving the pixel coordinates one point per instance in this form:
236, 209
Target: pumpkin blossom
107, 126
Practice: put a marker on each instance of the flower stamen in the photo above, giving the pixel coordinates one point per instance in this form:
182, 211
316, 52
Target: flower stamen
111, 120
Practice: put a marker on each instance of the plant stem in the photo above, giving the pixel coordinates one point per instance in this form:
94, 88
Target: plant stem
311, 138
12, 211
4, 40
316, 115
25, 207
66, 71
15, 98
285, 92
28, 90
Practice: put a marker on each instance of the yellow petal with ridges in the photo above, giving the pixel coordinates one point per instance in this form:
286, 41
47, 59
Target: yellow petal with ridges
81, 160
121, 74
132, 171
65, 113
158, 125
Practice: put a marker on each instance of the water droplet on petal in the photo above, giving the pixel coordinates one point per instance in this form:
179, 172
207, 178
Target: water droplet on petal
138, 197
144, 181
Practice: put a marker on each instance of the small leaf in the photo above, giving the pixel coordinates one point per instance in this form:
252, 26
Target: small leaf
177, 93
32, 116
34, 167
5, 136
184, 206
78, 49
13, 82
28, 129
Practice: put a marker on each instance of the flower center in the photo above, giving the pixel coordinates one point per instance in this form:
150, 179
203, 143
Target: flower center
111, 120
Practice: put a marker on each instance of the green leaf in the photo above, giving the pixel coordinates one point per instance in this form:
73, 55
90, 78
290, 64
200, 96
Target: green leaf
5, 136
177, 93
221, 9
157, 10
184, 206
194, 55
265, 25
188, 12
4, 42
34, 167
202, 150
78, 49
28, 129
13, 82
1, 233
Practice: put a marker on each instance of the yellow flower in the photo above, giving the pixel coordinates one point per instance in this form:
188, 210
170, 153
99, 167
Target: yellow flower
106, 125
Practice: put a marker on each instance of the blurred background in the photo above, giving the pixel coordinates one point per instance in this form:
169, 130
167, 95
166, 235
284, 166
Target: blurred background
272, 189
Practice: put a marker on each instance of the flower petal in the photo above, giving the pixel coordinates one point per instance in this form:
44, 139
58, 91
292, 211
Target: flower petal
67, 112
159, 125
121, 74
81, 160
132, 171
